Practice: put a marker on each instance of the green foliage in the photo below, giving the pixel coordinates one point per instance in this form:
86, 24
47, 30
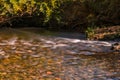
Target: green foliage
90, 32
73, 13
45, 8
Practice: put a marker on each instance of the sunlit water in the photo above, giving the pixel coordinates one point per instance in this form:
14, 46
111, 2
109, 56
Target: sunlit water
29, 56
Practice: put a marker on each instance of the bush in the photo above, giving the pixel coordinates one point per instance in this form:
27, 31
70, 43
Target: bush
44, 9
75, 14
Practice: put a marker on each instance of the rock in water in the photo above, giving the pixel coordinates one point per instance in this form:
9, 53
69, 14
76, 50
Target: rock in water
116, 47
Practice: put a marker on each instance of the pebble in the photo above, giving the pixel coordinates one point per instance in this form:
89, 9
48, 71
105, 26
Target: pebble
33, 48
29, 51
2, 53
36, 55
19, 52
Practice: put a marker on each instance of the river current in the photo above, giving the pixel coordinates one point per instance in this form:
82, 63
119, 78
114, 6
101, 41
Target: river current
64, 56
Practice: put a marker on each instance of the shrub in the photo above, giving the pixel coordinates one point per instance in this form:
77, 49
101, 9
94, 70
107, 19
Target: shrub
74, 14
31, 8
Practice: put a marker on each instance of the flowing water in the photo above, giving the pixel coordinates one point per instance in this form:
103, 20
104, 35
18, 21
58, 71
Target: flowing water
44, 55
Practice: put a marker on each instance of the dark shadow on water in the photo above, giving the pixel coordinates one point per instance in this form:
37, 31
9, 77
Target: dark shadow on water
41, 31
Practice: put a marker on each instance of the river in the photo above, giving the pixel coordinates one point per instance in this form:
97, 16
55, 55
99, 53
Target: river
43, 55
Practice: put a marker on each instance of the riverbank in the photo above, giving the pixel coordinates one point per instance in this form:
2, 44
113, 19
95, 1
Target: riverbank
111, 33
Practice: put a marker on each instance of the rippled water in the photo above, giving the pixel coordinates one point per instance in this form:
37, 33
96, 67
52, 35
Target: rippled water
40, 62
93, 67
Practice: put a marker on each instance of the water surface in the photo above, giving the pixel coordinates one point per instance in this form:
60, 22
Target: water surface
27, 55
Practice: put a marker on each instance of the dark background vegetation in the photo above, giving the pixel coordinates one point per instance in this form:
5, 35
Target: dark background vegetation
72, 15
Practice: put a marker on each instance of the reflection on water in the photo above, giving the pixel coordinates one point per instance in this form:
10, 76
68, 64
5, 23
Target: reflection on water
42, 63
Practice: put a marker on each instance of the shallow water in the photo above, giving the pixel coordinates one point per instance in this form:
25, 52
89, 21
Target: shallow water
28, 56
94, 67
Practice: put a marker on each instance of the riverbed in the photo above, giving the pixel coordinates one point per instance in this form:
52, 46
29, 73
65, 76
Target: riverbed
44, 55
